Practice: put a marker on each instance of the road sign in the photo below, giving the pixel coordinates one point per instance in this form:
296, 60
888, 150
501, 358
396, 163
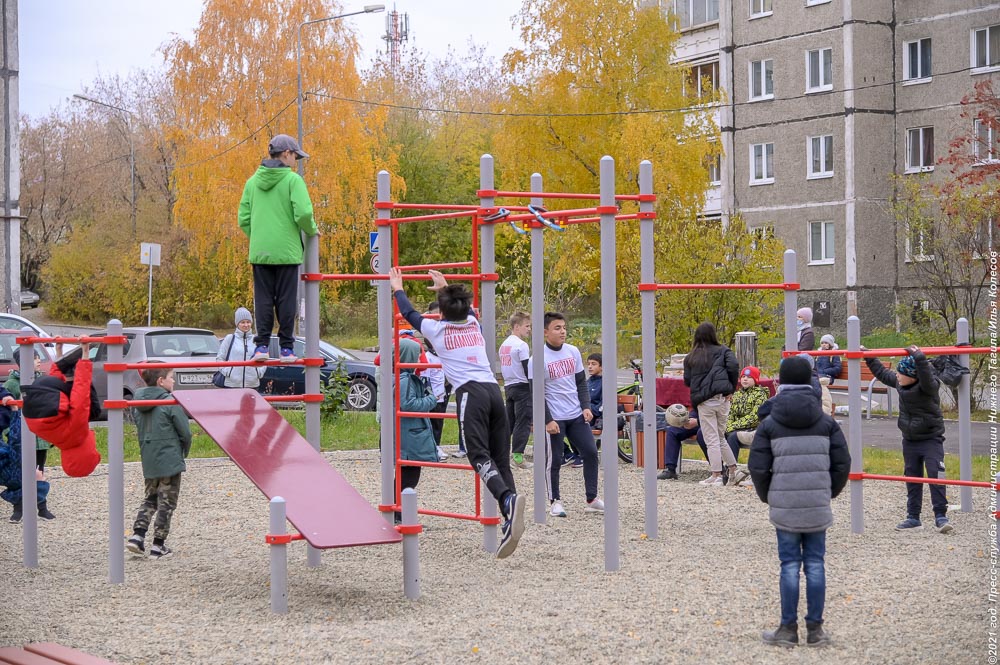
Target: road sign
373, 242
374, 263
149, 254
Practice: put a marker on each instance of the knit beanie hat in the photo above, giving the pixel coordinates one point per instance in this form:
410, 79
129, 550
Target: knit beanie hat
243, 314
795, 371
907, 367
829, 340
806, 314
752, 372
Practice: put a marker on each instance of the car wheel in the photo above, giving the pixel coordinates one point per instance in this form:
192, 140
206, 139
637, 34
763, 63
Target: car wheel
360, 395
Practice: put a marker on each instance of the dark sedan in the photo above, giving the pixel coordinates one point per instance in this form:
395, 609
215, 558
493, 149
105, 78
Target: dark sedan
291, 379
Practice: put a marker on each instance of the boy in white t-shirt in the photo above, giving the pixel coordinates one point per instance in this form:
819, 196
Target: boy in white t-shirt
567, 412
514, 353
482, 417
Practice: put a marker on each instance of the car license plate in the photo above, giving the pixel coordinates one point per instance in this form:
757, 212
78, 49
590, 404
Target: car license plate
194, 379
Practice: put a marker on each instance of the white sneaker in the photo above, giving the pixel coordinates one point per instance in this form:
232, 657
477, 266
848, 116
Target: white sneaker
557, 509
595, 506
712, 480
442, 455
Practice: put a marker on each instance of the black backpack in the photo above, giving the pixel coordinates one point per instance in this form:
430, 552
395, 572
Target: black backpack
949, 372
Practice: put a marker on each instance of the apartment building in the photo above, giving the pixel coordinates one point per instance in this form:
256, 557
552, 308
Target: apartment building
826, 99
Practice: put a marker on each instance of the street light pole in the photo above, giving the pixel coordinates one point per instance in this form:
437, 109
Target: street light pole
131, 146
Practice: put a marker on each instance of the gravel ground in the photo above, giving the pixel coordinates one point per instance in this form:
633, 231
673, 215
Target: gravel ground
700, 594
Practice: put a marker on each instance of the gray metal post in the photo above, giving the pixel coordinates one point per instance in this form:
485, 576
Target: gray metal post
279, 558
311, 333
854, 424
648, 302
29, 489
487, 264
543, 452
411, 548
116, 462
964, 420
386, 311
609, 347
791, 302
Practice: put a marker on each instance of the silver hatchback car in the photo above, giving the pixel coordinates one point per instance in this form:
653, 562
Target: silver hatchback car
164, 345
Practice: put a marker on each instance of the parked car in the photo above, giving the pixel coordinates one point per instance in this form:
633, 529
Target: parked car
164, 344
8, 345
291, 379
29, 299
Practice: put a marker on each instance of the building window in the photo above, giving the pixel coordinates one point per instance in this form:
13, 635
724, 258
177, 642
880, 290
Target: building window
760, 235
761, 79
819, 70
713, 164
820, 243
919, 149
920, 242
820, 157
702, 80
986, 149
986, 48
696, 12
917, 60
760, 8
761, 163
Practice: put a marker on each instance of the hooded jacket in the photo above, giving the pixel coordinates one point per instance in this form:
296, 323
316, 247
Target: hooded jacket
799, 461
416, 437
919, 403
716, 377
10, 467
13, 386
164, 435
239, 346
275, 206
743, 408
60, 411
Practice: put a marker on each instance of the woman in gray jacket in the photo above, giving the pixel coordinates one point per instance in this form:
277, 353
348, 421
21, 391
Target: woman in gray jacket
239, 346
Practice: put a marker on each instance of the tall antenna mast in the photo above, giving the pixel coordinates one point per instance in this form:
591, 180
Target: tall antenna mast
397, 31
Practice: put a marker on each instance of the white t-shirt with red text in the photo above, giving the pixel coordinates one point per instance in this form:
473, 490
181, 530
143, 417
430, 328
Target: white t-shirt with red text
513, 352
561, 394
462, 350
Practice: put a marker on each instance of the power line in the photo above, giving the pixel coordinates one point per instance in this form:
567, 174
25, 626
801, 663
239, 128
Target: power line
241, 142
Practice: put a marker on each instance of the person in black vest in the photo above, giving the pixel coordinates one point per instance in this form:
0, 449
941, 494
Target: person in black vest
711, 371
799, 462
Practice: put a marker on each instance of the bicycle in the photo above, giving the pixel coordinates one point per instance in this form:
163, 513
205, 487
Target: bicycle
625, 452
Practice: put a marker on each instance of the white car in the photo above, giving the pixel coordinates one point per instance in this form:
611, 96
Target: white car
15, 322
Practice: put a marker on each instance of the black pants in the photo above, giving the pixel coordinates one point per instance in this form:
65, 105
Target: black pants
437, 424
918, 456
579, 433
518, 415
409, 476
275, 288
482, 426
40, 456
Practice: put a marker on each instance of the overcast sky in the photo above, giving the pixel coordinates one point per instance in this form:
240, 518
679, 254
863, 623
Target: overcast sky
65, 44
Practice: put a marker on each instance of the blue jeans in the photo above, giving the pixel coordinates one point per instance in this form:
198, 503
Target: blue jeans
802, 551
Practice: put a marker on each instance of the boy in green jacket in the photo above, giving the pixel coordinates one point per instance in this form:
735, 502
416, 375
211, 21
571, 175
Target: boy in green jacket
275, 207
164, 442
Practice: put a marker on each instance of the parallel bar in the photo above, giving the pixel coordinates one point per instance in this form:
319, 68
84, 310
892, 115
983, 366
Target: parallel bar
117, 367
437, 465
110, 340
427, 414
279, 558
455, 516
560, 195
925, 481
895, 352
437, 266
721, 287
365, 277
609, 346
648, 305
431, 206
126, 403
429, 218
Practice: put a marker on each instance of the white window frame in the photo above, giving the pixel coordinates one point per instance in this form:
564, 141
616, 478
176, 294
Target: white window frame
826, 154
827, 256
974, 53
992, 156
761, 8
764, 65
688, 14
821, 85
766, 163
909, 76
912, 256
710, 65
717, 168
813, 3
919, 168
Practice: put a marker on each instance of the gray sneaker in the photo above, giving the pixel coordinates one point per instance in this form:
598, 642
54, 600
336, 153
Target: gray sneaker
787, 635
943, 525
136, 545
160, 551
910, 524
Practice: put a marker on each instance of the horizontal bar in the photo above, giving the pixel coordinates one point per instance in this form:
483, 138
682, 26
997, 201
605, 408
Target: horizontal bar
321, 277
486, 521
718, 287
125, 403
435, 216
109, 339
283, 539
121, 367
891, 353
436, 465
420, 366
431, 206
924, 481
558, 195
437, 266
426, 414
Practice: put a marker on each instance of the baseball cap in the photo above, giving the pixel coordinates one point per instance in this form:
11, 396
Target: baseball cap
283, 142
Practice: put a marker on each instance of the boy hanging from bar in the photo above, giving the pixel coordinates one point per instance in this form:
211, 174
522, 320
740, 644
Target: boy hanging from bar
482, 415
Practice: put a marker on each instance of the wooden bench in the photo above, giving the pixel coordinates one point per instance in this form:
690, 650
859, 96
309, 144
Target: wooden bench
48, 653
868, 384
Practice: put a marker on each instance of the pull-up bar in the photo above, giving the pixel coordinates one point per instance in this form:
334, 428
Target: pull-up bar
121, 367
719, 287
892, 353
492, 193
320, 277
109, 339
125, 403
924, 481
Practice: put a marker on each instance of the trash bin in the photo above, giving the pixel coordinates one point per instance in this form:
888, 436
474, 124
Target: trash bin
746, 349
661, 439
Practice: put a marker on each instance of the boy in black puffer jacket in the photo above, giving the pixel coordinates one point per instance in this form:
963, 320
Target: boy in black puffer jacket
922, 425
799, 462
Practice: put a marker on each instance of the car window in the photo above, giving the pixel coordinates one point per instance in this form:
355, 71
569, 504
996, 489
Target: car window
7, 346
173, 344
99, 352
12, 323
300, 349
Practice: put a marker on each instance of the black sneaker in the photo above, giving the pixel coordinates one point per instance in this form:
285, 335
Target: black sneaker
160, 551
15, 517
512, 529
787, 635
43, 512
667, 474
136, 545
816, 637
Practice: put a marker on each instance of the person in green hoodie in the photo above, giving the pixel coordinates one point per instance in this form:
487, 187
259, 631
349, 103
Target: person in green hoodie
164, 442
274, 209
13, 386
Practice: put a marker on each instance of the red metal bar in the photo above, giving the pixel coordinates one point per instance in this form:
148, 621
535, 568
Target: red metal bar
555, 195
429, 218
457, 516
708, 287
431, 206
409, 529
283, 539
924, 481
476, 264
125, 403
121, 367
420, 366
427, 414
324, 277
399, 317
437, 266
437, 465
890, 353
109, 339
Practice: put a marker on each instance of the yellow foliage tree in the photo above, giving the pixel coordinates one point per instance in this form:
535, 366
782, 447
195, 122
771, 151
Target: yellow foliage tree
235, 88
